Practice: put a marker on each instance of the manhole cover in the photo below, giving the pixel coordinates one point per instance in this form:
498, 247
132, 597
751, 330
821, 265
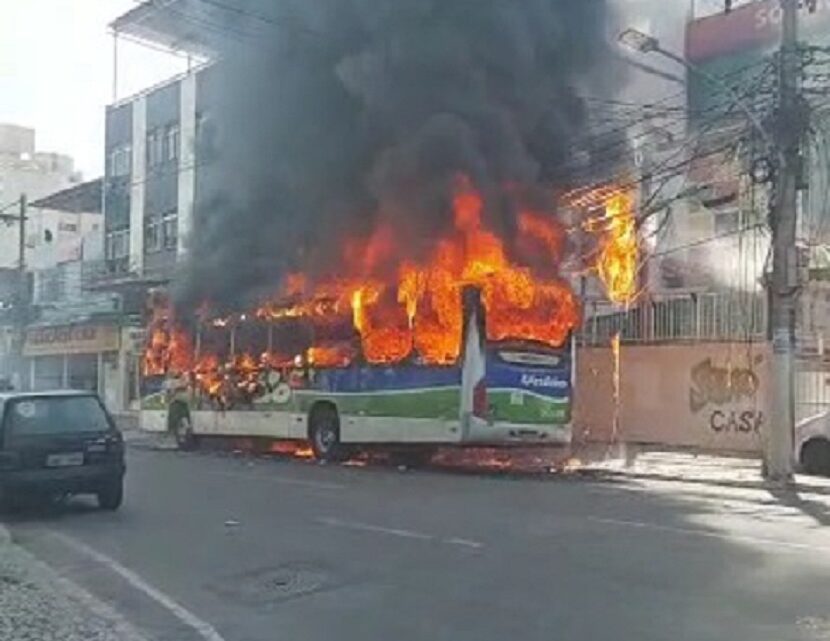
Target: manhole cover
274, 584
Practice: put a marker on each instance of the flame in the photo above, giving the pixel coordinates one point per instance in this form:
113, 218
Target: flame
168, 347
333, 355
619, 249
385, 310
297, 449
418, 312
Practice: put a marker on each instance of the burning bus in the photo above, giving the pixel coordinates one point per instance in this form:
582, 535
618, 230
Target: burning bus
466, 346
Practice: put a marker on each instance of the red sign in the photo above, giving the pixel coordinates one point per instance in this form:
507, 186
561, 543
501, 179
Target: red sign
751, 26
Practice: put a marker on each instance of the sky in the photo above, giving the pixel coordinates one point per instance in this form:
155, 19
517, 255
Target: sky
56, 72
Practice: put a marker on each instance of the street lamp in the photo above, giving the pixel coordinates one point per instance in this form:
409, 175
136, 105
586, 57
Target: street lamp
640, 42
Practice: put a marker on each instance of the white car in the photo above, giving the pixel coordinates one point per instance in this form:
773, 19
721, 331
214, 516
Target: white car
812, 444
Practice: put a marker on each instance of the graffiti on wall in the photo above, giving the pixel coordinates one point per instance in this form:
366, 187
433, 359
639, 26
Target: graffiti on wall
726, 396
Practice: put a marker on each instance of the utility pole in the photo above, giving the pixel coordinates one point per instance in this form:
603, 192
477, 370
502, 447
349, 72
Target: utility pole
22, 299
783, 284
22, 311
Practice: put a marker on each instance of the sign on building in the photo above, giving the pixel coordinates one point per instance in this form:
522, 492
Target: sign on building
71, 339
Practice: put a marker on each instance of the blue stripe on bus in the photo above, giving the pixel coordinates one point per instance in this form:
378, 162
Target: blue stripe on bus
552, 383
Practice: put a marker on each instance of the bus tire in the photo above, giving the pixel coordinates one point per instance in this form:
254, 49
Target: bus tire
324, 433
181, 426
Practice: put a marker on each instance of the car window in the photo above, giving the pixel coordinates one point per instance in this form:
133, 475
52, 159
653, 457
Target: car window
55, 415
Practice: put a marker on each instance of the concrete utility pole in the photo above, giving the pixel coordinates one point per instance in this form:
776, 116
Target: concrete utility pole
783, 284
22, 302
22, 311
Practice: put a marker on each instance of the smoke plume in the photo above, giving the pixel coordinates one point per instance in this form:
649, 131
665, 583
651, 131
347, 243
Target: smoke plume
338, 115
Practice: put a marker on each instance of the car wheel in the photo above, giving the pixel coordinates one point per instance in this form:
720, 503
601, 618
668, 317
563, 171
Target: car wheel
183, 432
111, 495
324, 434
815, 457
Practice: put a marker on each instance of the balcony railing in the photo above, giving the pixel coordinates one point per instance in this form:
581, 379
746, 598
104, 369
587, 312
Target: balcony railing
684, 318
102, 274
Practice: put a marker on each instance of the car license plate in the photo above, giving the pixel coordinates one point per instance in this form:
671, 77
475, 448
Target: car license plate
71, 459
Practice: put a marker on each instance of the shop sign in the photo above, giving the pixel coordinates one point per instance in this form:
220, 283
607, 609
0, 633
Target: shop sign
71, 339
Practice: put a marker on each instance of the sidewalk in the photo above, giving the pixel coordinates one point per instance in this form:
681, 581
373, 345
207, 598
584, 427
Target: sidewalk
729, 471
37, 604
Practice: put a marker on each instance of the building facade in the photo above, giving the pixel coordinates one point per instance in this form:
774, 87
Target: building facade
23, 170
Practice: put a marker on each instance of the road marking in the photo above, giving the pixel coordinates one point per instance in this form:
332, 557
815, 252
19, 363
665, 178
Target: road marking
283, 480
712, 535
203, 628
465, 542
406, 534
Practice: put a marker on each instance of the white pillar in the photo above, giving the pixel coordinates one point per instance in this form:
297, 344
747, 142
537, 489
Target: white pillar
137, 187
187, 159
65, 372
32, 372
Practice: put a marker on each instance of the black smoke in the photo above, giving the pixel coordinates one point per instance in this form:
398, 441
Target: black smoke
328, 115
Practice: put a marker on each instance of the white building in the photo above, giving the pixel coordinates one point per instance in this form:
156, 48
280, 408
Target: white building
65, 226
26, 171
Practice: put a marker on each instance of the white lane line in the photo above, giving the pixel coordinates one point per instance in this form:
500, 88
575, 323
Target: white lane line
465, 542
366, 527
406, 534
123, 629
203, 628
755, 540
281, 480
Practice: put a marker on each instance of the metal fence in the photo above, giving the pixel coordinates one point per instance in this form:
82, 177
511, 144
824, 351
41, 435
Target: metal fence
812, 388
679, 318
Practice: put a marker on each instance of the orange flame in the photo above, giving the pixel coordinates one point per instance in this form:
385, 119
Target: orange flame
617, 264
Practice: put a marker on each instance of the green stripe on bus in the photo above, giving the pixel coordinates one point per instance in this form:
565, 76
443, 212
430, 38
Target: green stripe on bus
429, 403
518, 407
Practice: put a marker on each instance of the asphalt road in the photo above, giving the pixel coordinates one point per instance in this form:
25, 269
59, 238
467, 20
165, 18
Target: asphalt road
228, 548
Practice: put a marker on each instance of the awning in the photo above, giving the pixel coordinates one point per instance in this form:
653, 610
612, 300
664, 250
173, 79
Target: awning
202, 28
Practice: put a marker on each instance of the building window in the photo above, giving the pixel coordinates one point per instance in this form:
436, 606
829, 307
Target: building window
170, 223
120, 160
117, 244
172, 142
153, 235
155, 147
727, 222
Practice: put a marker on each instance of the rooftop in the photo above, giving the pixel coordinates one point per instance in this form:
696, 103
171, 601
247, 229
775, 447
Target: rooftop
83, 198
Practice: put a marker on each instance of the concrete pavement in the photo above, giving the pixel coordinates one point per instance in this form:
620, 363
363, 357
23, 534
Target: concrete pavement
37, 604
229, 548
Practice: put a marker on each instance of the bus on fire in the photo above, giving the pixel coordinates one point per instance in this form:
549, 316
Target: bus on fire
466, 342
496, 392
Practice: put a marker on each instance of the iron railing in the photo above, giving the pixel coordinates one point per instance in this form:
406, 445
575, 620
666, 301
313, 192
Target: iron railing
679, 318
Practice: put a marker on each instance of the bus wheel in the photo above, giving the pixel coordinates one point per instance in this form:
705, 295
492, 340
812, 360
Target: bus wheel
324, 434
183, 432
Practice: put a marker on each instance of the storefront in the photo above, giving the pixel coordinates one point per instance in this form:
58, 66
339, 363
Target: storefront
83, 356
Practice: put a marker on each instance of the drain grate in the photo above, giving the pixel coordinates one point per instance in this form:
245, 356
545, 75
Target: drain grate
274, 584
